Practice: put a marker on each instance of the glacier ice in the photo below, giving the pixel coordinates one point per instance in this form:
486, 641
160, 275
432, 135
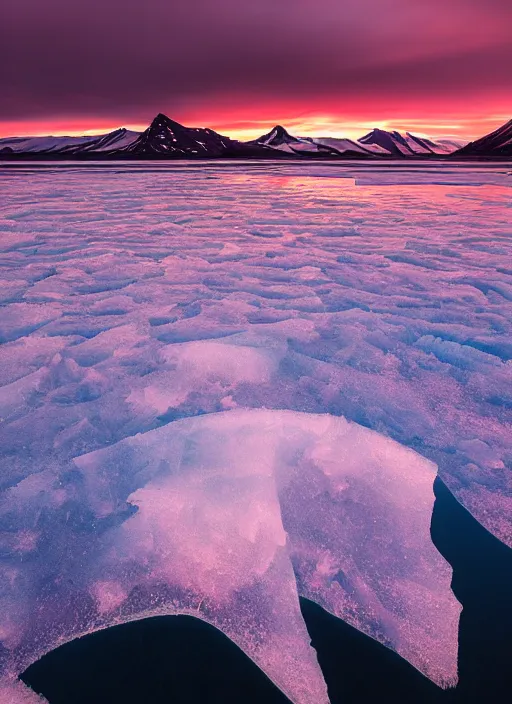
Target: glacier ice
229, 516
219, 496
173, 335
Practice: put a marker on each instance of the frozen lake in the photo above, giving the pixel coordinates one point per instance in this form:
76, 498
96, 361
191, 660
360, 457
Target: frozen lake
187, 340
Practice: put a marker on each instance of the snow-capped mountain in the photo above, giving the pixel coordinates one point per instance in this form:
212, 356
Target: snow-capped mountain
451, 143
277, 137
497, 143
280, 139
113, 141
397, 144
118, 139
165, 137
34, 145
438, 146
375, 143
343, 145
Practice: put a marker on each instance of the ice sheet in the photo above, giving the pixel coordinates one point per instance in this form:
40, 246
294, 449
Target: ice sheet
135, 296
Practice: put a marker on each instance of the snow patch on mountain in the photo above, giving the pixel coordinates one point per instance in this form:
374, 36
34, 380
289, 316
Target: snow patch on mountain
43, 144
349, 145
168, 137
118, 139
397, 144
279, 138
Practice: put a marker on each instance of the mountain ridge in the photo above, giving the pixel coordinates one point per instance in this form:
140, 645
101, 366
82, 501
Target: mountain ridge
497, 143
165, 138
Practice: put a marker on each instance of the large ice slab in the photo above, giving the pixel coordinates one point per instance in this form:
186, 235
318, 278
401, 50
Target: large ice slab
356, 507
229, 516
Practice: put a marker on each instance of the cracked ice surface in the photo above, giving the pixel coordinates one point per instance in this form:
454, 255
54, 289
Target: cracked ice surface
137, 299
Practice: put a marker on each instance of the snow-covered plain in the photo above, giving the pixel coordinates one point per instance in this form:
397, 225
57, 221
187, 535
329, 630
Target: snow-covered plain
225, 385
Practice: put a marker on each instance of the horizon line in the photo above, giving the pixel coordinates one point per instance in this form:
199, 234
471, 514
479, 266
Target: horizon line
319, 127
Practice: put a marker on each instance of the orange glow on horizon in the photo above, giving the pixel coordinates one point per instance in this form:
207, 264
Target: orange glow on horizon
463, 121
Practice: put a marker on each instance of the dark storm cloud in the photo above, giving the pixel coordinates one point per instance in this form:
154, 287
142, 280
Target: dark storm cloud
106, 57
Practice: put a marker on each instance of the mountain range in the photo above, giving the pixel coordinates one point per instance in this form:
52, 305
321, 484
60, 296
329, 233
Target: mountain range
168, 139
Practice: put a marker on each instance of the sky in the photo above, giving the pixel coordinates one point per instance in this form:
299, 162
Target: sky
324, 67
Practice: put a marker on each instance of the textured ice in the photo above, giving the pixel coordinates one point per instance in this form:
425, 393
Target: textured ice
189, 356
14, 692
220, 496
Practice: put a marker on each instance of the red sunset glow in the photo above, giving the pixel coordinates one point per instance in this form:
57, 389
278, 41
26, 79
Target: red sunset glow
338, 69
245, 124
